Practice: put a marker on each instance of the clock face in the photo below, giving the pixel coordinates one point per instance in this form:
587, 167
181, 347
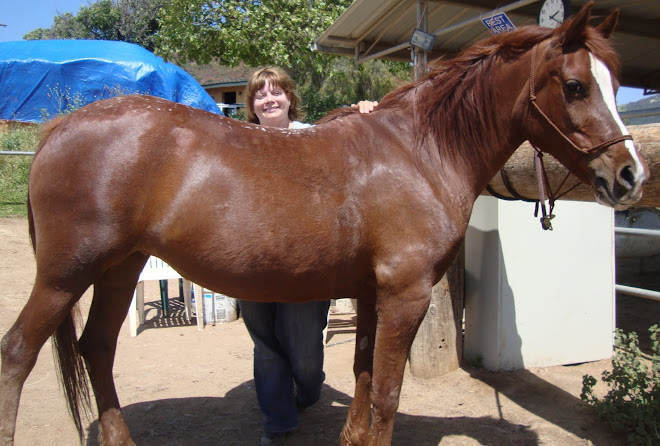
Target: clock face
552, 13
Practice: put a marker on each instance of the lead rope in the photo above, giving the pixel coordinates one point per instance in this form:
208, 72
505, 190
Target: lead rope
542, 179
546, 192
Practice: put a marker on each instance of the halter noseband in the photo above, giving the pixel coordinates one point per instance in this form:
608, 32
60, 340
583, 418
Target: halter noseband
545, 192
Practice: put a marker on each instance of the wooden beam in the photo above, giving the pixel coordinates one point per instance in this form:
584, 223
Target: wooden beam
519, 171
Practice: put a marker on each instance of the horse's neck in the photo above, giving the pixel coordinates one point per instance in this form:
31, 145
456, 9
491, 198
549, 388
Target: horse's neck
474, 166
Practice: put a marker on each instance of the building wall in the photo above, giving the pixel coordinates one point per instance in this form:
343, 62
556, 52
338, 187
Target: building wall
219, 95
537, 298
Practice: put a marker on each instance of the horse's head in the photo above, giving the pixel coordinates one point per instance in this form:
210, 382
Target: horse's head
573, 115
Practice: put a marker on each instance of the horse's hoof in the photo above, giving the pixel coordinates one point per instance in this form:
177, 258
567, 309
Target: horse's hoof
345, 441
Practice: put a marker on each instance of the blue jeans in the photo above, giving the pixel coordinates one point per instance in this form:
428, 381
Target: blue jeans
288, 357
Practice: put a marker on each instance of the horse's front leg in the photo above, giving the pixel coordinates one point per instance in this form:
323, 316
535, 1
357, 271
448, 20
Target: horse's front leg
357, 422
112, 297
399, 317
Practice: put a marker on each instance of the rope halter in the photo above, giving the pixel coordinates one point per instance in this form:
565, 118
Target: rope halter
545, 192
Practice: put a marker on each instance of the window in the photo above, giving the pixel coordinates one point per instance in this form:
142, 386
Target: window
229, 97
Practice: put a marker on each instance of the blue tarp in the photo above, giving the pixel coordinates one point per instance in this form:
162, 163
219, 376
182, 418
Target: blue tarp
42, 78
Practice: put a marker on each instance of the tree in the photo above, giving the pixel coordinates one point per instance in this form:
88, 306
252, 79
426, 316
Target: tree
276, 32
258, 33
255, 32
134, 21
65, 26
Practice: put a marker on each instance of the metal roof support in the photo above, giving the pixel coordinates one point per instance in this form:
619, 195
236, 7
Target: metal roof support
420, 57
379, 20
382, 33
441, 31
507, 8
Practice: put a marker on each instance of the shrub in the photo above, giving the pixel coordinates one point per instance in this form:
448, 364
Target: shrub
632, 404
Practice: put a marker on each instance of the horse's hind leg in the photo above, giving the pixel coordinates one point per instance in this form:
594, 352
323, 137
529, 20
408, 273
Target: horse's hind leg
357, 422
112, 297
46, 309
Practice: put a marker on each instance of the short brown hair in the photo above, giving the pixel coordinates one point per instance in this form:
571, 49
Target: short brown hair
276, 77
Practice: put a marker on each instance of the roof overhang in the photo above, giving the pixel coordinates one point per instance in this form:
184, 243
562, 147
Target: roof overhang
371, 29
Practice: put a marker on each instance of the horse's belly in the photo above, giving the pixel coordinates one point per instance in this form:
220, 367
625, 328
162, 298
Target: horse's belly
267, 253
267, 282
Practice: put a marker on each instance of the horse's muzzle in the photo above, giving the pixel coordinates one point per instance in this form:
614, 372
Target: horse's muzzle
622, 189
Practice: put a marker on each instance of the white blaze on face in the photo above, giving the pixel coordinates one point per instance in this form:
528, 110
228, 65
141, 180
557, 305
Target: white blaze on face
604, 80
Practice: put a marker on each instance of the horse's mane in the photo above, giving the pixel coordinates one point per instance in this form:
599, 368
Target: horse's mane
453, 102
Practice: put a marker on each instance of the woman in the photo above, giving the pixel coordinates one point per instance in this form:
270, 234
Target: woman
288, 337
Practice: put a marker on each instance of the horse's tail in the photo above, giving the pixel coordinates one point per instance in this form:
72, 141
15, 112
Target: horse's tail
72, 369
70, 362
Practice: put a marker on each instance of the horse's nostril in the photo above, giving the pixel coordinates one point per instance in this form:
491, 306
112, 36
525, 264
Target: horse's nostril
627, 175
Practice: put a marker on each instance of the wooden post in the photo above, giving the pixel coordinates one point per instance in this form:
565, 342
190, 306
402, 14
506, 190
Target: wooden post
438, 346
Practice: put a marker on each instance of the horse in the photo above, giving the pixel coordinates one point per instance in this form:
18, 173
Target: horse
367, 206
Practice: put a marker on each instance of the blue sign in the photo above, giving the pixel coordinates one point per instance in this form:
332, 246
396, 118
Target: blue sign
498, 23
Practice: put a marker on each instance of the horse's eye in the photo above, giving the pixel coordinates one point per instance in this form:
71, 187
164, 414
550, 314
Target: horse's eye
575, 88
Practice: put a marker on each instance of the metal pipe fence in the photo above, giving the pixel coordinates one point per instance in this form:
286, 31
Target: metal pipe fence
11, 152
634, 291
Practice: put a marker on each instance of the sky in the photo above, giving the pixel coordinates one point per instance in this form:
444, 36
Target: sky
23, 16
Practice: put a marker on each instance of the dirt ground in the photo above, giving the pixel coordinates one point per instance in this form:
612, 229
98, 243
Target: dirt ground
181, 386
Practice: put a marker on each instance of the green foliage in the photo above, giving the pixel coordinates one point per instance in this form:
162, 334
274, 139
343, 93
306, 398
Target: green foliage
632, 404
64, 101
344, 84
369, 80
257, 33
14, 170
239, 116
134, 21
277, 32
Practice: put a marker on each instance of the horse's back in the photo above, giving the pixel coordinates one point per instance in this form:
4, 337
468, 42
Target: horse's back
102, 172
276, 206
143, 174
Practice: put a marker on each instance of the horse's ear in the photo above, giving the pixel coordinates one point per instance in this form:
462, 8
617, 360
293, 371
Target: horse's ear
607, 27
573, 29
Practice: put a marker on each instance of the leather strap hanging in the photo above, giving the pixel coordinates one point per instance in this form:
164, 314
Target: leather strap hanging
546, 192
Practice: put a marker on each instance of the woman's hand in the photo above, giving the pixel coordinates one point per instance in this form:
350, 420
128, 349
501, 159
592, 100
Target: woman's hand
365, 106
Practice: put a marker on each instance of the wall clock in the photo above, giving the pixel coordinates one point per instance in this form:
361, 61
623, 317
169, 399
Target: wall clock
553, 13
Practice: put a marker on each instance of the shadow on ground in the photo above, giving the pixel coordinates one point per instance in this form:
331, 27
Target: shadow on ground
235, 420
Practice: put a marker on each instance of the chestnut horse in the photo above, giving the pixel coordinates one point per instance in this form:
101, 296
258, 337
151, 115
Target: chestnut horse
367, 206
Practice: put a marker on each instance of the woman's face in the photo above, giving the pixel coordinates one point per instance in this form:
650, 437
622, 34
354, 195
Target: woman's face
271, 105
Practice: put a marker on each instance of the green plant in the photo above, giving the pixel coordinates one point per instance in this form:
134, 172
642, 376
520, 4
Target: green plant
632, 404
240, 116
64, 101
14, 169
